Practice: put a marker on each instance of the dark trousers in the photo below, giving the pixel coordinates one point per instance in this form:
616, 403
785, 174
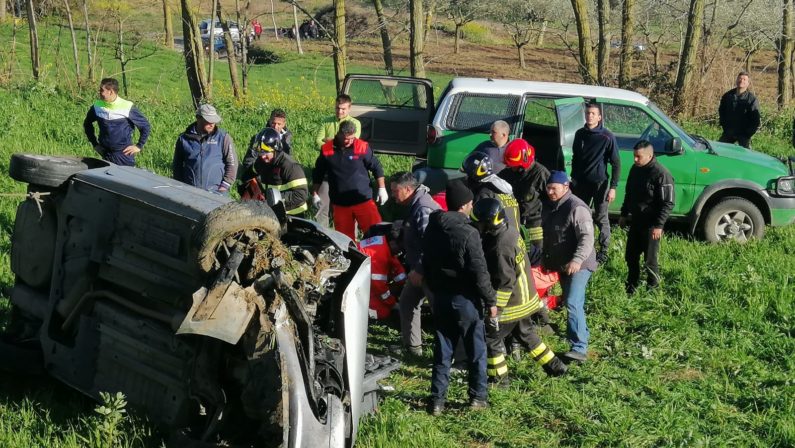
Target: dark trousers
595, 195
640, 242
457, 317
745, 142
521, 331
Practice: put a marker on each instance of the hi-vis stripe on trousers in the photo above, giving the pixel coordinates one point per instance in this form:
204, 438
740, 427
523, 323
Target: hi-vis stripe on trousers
496, 365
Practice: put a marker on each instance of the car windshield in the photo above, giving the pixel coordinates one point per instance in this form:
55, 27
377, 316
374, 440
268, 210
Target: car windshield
686, 138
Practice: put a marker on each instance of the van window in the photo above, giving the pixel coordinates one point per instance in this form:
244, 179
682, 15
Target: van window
374, 92
476, 112
630, 124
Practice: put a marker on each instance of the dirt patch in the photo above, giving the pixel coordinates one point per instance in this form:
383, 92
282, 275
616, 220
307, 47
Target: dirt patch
686, 374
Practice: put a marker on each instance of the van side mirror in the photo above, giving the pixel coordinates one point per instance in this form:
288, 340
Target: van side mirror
674, 146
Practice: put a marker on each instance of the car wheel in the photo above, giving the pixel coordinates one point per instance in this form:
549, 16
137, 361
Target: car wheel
48, 171
733, 219
232, 219
33, 242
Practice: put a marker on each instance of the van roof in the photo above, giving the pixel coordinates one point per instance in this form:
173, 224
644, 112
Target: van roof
518, 87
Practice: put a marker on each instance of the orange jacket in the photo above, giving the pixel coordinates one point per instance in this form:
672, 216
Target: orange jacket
385, 268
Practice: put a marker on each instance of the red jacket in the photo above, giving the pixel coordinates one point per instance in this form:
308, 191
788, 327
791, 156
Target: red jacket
385, 267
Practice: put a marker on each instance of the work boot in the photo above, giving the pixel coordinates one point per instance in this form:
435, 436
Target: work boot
435, 407
499, 381
573, 356
555, 367
476, 404
602, 257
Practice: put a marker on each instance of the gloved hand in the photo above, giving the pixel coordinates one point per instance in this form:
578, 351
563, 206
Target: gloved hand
316, 202
382, 196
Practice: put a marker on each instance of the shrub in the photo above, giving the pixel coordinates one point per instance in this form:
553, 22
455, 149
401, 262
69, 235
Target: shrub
475, 32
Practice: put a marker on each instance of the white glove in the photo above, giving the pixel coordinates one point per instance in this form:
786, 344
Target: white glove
382, 196
316, 202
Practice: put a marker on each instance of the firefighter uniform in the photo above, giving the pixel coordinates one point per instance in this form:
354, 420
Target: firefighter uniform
517, 300
385, 269
282, 173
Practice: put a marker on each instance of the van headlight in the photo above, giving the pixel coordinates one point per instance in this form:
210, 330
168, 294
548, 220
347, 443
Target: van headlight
785, 186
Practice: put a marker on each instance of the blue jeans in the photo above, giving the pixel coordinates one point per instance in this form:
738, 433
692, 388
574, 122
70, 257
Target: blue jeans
574, 295
457, 317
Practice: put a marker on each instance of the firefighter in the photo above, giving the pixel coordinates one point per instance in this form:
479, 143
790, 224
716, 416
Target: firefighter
517, 298
381, 244
485, 183
273, 168
528, 179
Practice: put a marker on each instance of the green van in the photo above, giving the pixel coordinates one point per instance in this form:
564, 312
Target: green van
723, 191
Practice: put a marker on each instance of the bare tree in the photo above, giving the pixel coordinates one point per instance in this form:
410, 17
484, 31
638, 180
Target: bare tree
273, 18
242, 21
785, 49
68, 11
587, 66
128, 47
297, 31
193, 50
211, 43
33, 29
695, 19
603, 46
518, 18
430, 12
231, 57
386, 42
89, 52
462, 12
340, 53
627, 46
3, 6
416, 39
168, 25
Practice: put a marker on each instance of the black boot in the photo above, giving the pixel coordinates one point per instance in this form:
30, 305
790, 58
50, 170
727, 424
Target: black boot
555, 367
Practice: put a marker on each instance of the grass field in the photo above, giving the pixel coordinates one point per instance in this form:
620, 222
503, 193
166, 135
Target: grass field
704, 361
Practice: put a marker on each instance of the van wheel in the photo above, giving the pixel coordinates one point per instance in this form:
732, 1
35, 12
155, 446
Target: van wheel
233, 218
734, 219
48, 171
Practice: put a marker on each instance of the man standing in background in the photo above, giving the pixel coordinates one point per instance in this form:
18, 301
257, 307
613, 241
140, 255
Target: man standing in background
739, 113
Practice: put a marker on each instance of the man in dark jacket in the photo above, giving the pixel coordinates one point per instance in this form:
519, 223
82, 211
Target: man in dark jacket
649, 201
528, 180
346, 160
568, 250
499, 135
406, 190
116, 118
457, 275
273, 168
739, 113
204, 155
517, 298
594, 147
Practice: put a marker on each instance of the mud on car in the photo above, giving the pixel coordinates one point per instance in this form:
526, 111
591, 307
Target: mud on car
227, 323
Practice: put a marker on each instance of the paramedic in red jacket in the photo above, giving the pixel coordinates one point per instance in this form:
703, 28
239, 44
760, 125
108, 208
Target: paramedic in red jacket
382, 248
346, 160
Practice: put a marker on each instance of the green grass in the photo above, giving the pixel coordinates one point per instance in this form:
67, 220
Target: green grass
704, 361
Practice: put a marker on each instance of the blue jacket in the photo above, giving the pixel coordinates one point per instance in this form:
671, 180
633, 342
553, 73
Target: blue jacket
206, 161
347, 169
116, 121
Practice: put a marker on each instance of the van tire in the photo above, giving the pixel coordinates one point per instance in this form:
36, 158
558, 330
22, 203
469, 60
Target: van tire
733, 219
48, 171
230, 219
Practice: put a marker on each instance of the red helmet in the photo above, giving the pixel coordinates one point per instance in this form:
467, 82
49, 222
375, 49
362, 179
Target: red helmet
519, 153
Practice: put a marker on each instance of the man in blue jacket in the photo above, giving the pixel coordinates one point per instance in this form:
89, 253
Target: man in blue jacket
116, 119
594, 148
204, 155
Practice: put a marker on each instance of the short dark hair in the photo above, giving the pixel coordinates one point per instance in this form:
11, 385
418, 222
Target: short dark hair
404, 179
344, 99
278, 113
594, 105
642, 144
110, 83
347, 127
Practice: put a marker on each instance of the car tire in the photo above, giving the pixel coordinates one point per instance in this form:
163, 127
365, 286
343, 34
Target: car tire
48, 171
33, 242
230, 219
733, 219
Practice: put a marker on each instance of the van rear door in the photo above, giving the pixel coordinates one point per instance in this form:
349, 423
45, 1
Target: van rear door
395, 112
571, 116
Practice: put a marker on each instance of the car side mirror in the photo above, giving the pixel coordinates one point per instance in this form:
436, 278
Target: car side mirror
674, 146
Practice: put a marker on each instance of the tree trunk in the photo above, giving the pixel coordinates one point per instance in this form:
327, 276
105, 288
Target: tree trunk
3, 6
71, 31
522, 63
211, 39
386, 42
88, 42
273, 18
120, 55
627, 31
34, 39
193, 51
587, 65
428, 19
416, 39
340, 52
603, 48
541, 32
457, 38
168, 25
297, 31
243, 20
785, 49
695, 19
231, 59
